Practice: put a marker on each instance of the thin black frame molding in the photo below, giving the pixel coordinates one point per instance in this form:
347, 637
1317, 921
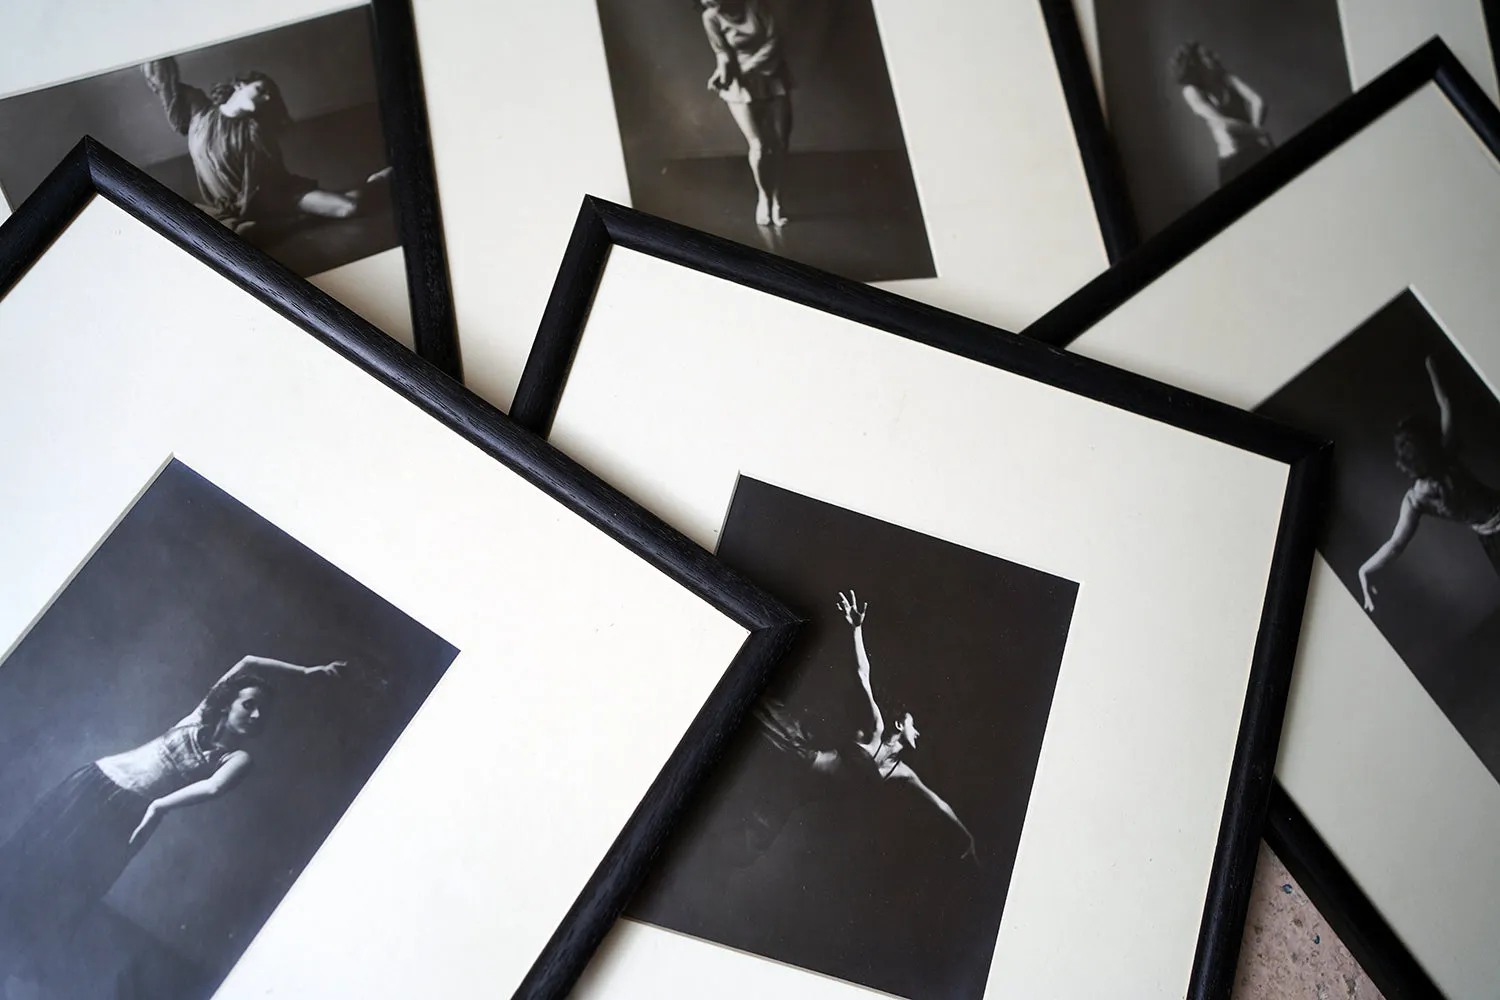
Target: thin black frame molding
1329, 885
602, 225
419, 215
91, 170
1096, 145
1101, 160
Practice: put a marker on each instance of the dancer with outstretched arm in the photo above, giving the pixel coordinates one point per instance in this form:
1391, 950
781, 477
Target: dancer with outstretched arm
234, 140
79, 838
868, 761
1442, 487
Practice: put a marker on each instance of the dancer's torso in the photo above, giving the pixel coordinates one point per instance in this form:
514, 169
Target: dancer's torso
233, 158
1458, 495
167, 763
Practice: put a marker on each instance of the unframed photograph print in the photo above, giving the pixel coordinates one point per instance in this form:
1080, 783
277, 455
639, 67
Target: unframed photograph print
278, 135
1198, 91
181, 730
769, 122
864, 823
1415, 526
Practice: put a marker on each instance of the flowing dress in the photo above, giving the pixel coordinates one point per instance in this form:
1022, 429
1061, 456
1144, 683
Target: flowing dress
75, 842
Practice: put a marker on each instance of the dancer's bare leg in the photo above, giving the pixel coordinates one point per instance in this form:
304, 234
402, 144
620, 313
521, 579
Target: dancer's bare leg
778, 120
335, 205
750, 124
329, 204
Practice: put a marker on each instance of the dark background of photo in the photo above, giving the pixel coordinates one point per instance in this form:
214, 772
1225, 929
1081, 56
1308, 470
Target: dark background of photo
1438, 604
189, 582
326, 72
1291, 52
850, 193
872, 890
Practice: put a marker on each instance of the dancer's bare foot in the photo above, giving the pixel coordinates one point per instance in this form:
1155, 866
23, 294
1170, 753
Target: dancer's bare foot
778, 217
763, 210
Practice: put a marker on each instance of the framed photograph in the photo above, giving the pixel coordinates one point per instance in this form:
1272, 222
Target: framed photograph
1195, 92
1345, 289
923, 147
294, 123
301, 640
1022, 717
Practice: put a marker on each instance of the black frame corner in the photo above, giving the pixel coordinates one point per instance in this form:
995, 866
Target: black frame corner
1433, 63
90, 170
602, 225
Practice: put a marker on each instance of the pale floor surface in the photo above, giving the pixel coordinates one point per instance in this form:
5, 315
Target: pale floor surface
1288, 952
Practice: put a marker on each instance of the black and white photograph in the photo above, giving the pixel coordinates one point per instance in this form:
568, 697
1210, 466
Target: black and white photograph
864, 823
277, 135
769, 122
1199, 91
181, 730
1414, 532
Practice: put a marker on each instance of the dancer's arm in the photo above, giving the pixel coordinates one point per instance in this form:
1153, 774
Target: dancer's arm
1200, 107
180, 101
226, 777
1445, 408
1253, 100
770, 47
725, 68
904, 774
1406, 529
271, 670
854, 614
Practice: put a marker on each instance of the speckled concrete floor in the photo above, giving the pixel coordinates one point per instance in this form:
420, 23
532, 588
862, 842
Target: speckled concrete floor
1288, 952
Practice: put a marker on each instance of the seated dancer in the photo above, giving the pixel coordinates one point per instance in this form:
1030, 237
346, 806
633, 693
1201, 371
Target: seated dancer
79, 838
233, 135
869, 759
1442, 487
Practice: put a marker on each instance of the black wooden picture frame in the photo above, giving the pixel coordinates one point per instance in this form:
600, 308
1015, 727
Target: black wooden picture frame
603, 226
91, 170
1329, 885
1101, 158
1338, 897
1101, 161
419, 215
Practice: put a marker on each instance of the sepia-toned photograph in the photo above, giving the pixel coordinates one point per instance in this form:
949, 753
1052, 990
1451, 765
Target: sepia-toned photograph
769, 122
864, 823
277, 135
182, 729
1199, 91
1414, 532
